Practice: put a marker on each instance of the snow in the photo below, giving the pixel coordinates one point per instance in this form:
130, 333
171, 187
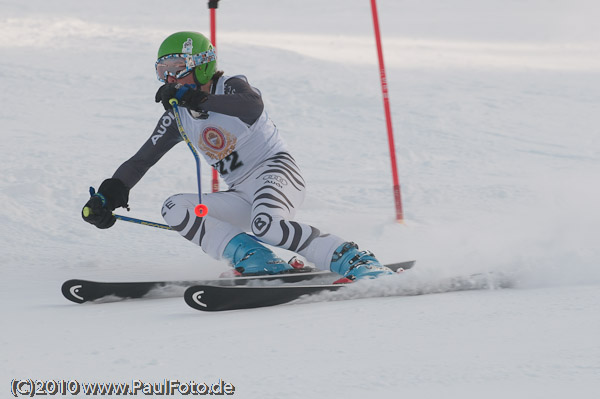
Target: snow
495, 110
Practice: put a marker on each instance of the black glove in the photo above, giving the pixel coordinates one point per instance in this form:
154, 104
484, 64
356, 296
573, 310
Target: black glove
95, 213
115, 193
111, 195
187, 95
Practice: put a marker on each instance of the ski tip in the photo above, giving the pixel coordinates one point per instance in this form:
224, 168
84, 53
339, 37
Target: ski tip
71, 290
401, 265
193, 296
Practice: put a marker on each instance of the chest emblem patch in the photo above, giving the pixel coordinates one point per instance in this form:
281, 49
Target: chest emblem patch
217, 143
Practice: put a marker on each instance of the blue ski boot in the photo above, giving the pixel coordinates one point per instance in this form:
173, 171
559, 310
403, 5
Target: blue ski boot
251, 258
355, 265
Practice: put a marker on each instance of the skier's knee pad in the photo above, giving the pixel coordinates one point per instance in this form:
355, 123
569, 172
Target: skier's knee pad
177, 208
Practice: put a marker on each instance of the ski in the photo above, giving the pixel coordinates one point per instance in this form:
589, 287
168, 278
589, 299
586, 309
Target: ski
81, 291
212, 298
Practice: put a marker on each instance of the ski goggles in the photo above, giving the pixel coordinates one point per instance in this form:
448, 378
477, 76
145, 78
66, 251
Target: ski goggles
180, 65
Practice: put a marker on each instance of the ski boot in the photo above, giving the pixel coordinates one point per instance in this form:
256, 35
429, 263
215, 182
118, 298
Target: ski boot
354, 265
250, 258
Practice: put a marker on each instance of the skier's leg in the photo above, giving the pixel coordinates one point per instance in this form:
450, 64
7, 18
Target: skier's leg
278, 191
220, 233
209, 232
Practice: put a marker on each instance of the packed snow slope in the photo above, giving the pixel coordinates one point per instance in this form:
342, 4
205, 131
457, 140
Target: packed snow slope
495, 111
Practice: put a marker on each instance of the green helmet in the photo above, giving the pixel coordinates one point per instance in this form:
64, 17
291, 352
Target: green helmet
192, 43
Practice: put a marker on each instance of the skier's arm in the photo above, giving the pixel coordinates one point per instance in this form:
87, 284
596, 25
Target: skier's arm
240, 100
114, 192
163, 138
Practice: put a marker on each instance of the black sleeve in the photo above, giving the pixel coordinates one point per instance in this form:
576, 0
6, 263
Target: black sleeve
164, 137
240, 100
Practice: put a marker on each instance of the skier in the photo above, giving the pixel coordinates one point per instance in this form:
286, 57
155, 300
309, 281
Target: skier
225, 119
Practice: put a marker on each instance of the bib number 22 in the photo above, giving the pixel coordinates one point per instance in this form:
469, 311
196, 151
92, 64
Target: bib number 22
228, 164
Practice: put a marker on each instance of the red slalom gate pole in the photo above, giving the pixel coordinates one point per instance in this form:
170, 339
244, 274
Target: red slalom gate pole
388, 116
212, 5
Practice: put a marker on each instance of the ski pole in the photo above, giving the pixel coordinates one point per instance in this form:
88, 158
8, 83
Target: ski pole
87, 211
143, 222
201, 210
